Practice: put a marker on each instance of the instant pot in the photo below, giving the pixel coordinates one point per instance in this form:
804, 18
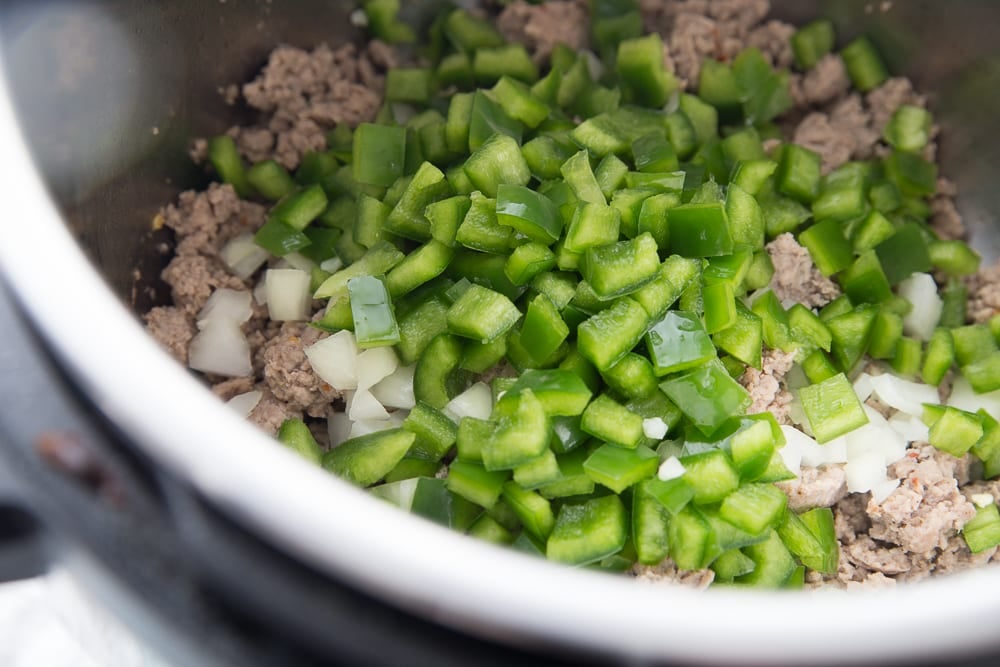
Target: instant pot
216, 546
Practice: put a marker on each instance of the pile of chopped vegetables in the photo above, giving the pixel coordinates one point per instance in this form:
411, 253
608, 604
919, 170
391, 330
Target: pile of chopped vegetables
551, 278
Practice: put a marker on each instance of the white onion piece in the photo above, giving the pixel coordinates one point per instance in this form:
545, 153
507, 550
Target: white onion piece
260, 293
836, 450
366, 426
396, 390
879, 439
374, 365
964, 397
670, 469
220, 348
365, 406
654, 428
476, 401
921, 291
332, 265
244, 404
982, 499
863, 386
801, 446
882, 490
864, 472
226, 304
875, 417
288, 295
335, 360
792, 458
243, 256
338, 426
300, 262
911, 428
903, 395
798, 416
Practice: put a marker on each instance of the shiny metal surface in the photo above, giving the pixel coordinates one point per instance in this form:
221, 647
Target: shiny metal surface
108, 93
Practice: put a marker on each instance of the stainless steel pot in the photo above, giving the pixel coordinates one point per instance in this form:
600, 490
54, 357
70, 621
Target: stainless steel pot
99, 102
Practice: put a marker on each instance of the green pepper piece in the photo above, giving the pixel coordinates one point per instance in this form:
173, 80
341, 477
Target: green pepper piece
379, 154
798, 174
228, 164
982, 532
295, 435
543, 330
700, 230
611, 421
434, 379
482, 314
863, 64
754, 507
374, 320
435, 432
865, 281
280, 239
496, 162
522, 431
476, 484
829, 249
904, 253
621, 268
640, 68
587, 532
610, 334
528, 212
580, 177
940, 357
811, 42
468, 32
366, 459
832, 408
618, 468
678, 342
519, 102
632, 377
512, 60
711, 474
707, 395
486, 118
384, 23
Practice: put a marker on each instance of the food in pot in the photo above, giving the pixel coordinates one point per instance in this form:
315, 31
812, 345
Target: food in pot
667, 288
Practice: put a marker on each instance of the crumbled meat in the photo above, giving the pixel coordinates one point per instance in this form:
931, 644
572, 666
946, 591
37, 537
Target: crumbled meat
173, 329
232, 387
541, 27
869, 555
927, 507
204, 221
816, 487
887, 98
667, 572
850, 517
945, 218
697, 29
193, 278
984, 294
306, 93
764, 385
824, 83
796, 278
956, 557
290, 376
773, 40
842, 134
270, 413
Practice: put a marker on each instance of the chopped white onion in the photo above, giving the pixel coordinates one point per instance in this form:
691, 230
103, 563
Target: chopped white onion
220, 348
226, 304
335, 360
671, 468
911, 428
921, 291
300, 262
365, 406
288, 295
836, 450
243, 256
332, 265
476, 401
338, 426
366, 426
982, 499
798, 416
903, 395
964, 397
244, 404
875, 417
865, 471
260, 293
884, 489
374, 365
396, 390
800, 446
863, 386
654, 428
876, 438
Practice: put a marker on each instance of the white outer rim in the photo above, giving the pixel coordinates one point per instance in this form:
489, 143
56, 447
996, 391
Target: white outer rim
424, 568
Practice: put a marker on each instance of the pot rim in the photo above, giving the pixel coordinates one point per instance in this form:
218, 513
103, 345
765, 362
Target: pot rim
421, 567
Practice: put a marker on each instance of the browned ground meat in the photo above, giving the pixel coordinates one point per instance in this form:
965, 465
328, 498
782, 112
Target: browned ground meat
984, 294
193, 278
541, 27
667, 572
796, 278
765, 386
824, 83
173, 328
288, 374
816, 487
945, 219
307, 93
204, 221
